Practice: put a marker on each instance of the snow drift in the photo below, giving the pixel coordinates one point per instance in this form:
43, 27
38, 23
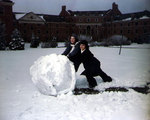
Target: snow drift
53, 74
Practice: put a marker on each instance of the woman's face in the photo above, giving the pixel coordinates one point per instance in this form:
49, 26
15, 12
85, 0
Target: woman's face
72, 40
82, 46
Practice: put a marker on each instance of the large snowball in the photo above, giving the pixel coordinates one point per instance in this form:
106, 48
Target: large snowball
53, 74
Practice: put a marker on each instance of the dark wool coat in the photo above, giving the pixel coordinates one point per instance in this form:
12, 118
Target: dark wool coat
73, 56
90, 63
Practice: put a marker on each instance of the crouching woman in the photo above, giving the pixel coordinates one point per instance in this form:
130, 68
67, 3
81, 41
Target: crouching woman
91, 65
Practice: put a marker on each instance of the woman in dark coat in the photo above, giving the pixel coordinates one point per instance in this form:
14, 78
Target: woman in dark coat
73, 51
91, 65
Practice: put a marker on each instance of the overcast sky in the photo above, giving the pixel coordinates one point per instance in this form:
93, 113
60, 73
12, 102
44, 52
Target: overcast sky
54, 6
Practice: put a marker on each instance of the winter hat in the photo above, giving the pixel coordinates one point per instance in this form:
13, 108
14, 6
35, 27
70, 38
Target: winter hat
85, 43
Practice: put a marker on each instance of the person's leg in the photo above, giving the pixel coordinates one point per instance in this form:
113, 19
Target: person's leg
76, 66
92, 82
104, 76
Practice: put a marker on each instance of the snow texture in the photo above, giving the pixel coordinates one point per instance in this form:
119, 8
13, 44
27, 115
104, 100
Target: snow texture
144, 17
53, 74
127, 19
20, 100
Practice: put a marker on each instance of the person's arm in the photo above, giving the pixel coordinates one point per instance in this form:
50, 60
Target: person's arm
75, 51
67, 50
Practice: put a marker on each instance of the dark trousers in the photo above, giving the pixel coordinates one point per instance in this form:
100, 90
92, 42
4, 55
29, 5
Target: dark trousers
104, 76
76, 65
92, 81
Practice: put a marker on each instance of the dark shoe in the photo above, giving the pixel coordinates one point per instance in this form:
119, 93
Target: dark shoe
92, 86
108, 79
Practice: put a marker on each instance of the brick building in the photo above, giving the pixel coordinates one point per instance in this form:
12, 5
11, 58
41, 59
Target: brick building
135, 26
29, 24
44, 26
99, 25
104, 24
6, 17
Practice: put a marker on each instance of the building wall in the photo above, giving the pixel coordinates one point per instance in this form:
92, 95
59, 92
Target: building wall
132, 29
27, 29
6, 17
100, 27
60, 30
46, 31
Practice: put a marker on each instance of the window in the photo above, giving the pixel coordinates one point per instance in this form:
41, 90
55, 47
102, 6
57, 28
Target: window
1, 10
25, 31
145, 23
80, 32
38, 25
114, 25
121, 31
80, 20
31, 27
96, 20
136, 23
136, 31
88, 20
145, 31
39, 31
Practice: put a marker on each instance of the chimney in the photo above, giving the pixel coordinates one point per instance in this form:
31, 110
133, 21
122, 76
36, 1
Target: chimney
114, 6
63, 8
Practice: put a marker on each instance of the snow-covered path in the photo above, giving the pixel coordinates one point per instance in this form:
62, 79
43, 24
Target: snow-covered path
20, 100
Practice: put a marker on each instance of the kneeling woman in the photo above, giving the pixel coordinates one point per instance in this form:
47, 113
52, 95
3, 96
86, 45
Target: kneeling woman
91, 65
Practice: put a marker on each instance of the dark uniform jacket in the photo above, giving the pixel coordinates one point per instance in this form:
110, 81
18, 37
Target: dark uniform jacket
74, 55
90, 63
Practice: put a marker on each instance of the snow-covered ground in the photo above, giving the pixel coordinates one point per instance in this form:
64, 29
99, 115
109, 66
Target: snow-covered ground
20, 99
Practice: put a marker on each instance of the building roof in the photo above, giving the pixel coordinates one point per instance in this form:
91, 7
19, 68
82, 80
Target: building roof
45, 17
19, 15
53, 18
133, 16
29, 18
136, 14
88, 13
6, 0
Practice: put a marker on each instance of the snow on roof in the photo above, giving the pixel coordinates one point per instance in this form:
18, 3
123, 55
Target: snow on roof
18, 16
144, 17
127, 19
41, 16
